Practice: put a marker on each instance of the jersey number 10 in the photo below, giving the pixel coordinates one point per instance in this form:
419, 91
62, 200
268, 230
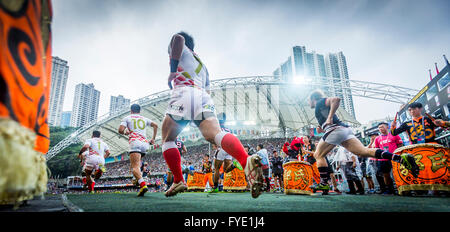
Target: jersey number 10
138, 124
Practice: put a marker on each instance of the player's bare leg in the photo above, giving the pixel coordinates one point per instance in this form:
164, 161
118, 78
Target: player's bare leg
98, 174
170, 131
216, 176
227, 166
90, 183
135, 161
323, 148
356, 147
210, 129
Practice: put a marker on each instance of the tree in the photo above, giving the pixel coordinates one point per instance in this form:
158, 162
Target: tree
66, 163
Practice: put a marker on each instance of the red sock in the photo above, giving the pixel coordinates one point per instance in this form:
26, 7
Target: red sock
84, 180
233, 146
142, 184
173, 160
91, 188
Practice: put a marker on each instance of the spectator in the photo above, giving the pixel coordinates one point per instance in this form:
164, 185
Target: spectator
262, 152
367, 174
373, 163
420, 129
389, 143
348, 165
277, 167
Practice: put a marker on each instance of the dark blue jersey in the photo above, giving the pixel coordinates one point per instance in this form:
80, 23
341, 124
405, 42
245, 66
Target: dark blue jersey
180, 145
322, 111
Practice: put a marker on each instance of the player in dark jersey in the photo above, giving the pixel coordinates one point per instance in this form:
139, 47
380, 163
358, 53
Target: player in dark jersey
338, 133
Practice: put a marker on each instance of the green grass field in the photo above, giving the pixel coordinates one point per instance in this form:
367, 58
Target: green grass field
267, 202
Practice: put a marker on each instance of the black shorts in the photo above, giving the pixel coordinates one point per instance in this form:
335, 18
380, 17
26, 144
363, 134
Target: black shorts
383, 167
311, 160
278, 174
266, 172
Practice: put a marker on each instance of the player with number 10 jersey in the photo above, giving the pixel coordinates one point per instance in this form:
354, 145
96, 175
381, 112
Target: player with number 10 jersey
135, 126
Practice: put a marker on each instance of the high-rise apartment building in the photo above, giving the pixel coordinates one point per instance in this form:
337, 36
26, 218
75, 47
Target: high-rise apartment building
85, 105
118, 103
314, 65
60, 73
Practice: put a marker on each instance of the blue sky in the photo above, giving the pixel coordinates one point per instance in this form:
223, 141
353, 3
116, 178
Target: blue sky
121, 46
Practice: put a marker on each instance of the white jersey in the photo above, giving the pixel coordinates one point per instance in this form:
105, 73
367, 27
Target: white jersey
97, 147
137, 125
191, 71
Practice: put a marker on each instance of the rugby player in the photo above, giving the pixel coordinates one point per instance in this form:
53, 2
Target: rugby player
94, 161
337, 133
222, 158
135, 126
191, 101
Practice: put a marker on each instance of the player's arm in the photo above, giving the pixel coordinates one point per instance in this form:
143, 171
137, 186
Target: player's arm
176, 45
207, 85
185, 150
333, 103
83, 149
354, 161
123, 130
155, 131
106, 154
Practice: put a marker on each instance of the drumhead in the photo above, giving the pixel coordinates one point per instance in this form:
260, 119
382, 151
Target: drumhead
431, 145
296, 162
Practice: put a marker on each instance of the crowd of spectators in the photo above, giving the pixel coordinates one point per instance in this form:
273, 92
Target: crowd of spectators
193, 156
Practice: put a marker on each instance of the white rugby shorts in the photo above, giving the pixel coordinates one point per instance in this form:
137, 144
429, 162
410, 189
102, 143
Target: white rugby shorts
138, 146
337, 135
188, 103
223, 155
93, 162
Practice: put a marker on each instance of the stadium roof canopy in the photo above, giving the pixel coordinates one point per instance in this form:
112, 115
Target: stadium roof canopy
257, 106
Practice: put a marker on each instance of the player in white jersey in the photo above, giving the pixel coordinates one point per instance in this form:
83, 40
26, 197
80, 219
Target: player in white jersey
135, 126
191, 101
94, 161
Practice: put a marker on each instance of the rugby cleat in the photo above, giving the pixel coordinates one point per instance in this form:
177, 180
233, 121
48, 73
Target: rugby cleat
175, 189
409, 162
142, 191
254, 175
214, 190
237, 165
320, 187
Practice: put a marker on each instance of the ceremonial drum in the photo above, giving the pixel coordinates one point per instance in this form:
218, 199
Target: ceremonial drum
234, 180
297, 177
432, 160
196, 181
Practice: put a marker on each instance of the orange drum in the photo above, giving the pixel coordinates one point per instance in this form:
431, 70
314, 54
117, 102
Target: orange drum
298, 176
234, 180
432, 160
196, 182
